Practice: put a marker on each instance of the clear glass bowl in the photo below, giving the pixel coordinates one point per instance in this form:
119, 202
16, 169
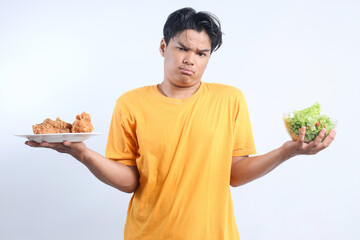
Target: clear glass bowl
310, 135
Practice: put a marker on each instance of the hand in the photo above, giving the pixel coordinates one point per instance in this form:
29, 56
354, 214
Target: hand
76, 149
293, 148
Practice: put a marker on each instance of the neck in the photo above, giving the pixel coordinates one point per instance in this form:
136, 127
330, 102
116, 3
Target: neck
173, 91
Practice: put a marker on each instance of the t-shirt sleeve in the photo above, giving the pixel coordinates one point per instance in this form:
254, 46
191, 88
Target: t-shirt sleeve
243, 136
122, 142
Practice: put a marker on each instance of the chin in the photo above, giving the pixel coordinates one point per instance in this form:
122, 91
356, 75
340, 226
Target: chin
186, 82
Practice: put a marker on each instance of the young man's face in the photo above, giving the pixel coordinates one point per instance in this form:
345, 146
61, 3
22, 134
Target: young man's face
185, 57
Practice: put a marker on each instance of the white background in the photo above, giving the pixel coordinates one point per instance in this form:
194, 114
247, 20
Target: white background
59, 58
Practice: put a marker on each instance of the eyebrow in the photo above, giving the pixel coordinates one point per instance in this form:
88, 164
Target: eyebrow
187, 48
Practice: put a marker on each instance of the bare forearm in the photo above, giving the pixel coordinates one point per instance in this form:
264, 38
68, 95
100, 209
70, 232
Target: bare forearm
115, 174
123, 177
246, 169
250, 168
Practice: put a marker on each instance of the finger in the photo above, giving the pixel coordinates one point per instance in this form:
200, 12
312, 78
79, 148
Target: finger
328, 140
32, 144
55, 146
67, 143
320, 137
302, 135
49, 145
44, 144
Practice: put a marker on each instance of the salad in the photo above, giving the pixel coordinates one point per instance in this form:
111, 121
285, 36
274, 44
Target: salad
310, 118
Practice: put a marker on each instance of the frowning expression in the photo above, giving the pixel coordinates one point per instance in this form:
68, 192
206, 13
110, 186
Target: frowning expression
185, 57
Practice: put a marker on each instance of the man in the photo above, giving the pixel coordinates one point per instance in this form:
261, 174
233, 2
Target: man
180, 144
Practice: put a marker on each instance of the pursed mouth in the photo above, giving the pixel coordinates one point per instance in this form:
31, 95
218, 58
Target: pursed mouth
187, 71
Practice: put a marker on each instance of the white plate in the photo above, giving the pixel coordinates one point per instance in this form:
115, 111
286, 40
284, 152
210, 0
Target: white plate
59, 137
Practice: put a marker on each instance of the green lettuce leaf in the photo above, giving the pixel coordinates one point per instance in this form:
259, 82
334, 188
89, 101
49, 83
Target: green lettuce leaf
310, 118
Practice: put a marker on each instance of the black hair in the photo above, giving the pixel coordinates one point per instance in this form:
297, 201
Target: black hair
188, 18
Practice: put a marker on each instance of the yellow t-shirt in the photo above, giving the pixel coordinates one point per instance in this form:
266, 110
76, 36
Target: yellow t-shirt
183, 150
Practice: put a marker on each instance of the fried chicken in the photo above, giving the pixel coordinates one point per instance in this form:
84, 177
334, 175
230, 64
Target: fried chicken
50, 126
82, 123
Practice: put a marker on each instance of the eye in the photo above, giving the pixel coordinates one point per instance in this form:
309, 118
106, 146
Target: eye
201, 54
181, 49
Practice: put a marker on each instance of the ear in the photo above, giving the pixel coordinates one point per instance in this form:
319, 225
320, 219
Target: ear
162, 47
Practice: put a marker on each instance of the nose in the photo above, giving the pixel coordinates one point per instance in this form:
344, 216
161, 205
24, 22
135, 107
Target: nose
189, 58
